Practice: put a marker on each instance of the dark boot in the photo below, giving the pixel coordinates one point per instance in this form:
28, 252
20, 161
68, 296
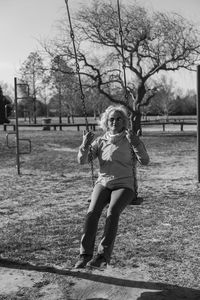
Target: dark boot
83, 260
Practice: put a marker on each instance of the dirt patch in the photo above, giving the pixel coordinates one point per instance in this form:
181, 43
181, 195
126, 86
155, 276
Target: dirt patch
23, 284
128, 284
112, 284
11, 280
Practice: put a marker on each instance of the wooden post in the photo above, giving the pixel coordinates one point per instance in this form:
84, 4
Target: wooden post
181, 126
198, 123
163, 127
17, 128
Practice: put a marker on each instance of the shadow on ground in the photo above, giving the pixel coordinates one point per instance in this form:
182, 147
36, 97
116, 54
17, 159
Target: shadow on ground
155, 290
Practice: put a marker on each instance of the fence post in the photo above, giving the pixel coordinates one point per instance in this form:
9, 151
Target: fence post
163, 127
181, 126
198, 123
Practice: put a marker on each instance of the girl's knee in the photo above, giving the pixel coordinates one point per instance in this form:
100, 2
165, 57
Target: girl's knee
93, 213
113, 212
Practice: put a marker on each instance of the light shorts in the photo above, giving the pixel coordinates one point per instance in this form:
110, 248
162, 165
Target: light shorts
112, 184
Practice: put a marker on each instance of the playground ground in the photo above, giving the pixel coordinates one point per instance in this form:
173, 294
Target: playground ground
42, 212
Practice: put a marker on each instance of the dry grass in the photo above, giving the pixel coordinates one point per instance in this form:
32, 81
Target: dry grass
42, 211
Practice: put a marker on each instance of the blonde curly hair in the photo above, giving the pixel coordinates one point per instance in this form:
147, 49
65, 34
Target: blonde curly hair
103, 123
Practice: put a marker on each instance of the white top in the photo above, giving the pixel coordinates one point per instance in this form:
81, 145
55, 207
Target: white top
115, 159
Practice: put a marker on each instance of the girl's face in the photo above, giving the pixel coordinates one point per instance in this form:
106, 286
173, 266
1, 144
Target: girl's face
115, 122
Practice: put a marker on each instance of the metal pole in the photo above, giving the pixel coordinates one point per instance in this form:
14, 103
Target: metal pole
17, 128
59, 92
34, 99
58, 80
198, 123
60, 104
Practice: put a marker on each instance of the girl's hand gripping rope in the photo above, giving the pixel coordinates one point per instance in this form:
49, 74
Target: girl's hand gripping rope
132, 138
88, 137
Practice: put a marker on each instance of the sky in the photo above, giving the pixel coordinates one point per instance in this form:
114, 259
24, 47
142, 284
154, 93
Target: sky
24, 22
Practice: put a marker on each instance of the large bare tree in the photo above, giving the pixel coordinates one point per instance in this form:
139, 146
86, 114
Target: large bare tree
152, 43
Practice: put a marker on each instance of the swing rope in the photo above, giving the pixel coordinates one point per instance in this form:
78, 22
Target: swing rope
81, 88
126, 91
122, 51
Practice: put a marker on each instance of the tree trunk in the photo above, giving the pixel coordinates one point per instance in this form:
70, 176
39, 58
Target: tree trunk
136, 122
68, 119
95, 115
136, 119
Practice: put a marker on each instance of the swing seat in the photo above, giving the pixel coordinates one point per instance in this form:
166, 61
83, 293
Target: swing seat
136, 200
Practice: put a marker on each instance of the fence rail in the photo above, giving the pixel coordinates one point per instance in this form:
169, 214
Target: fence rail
93, 126
180, 123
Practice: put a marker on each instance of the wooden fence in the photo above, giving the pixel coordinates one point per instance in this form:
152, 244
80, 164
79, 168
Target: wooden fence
94, 126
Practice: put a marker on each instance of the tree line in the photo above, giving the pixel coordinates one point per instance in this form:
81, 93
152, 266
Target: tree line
161, 105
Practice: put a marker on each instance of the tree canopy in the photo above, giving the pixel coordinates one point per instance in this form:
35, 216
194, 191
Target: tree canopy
122, 55
152, 43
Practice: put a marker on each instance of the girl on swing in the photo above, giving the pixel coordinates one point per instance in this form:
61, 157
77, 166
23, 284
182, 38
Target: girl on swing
115, 184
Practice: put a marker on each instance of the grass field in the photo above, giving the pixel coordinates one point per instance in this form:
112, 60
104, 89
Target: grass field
43, 209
